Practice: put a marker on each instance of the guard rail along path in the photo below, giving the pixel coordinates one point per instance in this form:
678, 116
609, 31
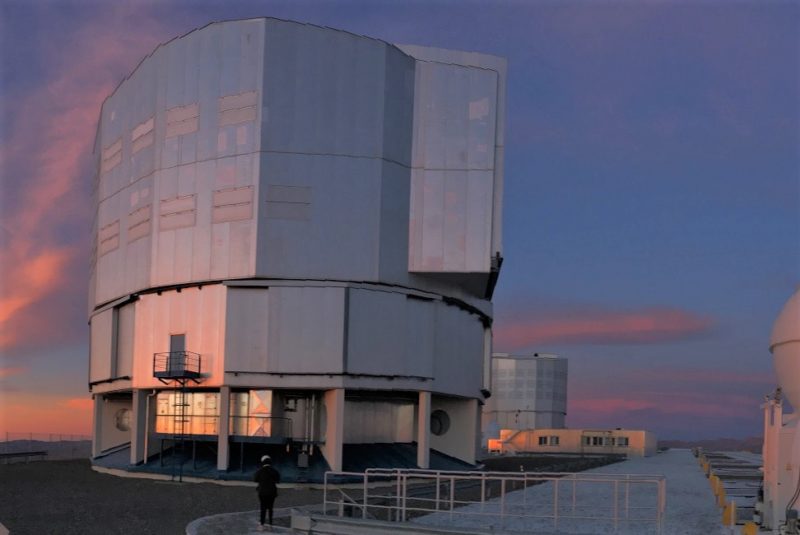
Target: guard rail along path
500, 500
25, 447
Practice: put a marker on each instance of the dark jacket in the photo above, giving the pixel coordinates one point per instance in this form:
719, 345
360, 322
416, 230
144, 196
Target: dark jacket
267, 479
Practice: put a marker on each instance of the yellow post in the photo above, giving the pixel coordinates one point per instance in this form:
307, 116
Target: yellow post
750, 528
729, 514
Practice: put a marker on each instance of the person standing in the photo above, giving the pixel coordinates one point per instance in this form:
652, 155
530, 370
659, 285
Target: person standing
267, 478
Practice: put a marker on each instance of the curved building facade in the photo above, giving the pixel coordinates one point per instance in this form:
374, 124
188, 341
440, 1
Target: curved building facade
302, 227
528, 392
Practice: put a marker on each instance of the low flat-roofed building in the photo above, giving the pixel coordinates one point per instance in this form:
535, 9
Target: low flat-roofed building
631, 442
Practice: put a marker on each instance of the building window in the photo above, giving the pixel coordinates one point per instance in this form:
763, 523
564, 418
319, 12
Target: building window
142, 136
182, 120
622, 441
587, 441
111, 156
190, 413
597, 441
543, 441
554, 441
232, 204
139, 223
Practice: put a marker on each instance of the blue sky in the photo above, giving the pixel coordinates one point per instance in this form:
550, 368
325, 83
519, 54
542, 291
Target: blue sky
652, 209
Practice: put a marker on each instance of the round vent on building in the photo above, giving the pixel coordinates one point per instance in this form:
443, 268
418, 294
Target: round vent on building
122, 419
440, 422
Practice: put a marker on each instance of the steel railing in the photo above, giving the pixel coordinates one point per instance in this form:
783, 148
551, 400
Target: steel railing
57, 445
176, 364
497, 498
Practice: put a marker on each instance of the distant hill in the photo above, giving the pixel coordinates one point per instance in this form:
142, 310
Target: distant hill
752, 444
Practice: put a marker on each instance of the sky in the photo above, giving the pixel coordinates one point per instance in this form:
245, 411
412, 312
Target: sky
652, 190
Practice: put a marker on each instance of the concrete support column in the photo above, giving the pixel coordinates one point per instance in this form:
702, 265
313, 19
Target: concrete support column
334, 434
424, 430
223, 450
474, 417
97, 425
138, 426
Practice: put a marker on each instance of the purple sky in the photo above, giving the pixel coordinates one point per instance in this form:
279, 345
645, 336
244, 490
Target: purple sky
652, 211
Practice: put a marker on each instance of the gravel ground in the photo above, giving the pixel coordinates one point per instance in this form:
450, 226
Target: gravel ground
67, 497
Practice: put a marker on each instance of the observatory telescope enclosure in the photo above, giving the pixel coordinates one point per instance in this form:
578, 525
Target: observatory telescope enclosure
296, 239
781, 447
528, 392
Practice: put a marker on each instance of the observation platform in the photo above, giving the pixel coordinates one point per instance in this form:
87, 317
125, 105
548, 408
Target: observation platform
180, 366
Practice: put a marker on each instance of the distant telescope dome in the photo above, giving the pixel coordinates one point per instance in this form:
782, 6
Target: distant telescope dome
785, 347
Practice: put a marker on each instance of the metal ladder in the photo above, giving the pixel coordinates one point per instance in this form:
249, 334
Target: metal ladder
179, 427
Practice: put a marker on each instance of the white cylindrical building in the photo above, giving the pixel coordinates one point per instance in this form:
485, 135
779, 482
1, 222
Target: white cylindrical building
302, 225
528, 392
781, 447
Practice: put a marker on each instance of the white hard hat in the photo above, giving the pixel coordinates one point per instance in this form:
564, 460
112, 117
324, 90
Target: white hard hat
266, 459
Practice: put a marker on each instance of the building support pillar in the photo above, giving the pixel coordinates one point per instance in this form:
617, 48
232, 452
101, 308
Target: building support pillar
424, 430
474, 418
97, 425
334, 434
138, 426
223, 428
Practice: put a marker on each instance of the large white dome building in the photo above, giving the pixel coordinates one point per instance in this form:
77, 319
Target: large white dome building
302, 225
781, 447
784, 344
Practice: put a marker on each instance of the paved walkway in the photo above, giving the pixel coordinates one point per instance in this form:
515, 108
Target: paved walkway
691, 509
690, 503
242, 523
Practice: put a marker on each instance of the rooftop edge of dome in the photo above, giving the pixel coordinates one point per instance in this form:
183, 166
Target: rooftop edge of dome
787, 325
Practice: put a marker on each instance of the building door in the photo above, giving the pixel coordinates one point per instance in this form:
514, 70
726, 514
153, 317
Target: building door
177, 355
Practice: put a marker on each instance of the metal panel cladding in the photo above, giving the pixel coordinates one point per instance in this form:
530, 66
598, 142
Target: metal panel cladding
178, 164
457, 153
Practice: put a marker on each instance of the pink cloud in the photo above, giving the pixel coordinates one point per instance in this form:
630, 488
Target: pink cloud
701, 375
83, 404
652, 325
662, 398
36, 413
8, 372
50, 145
687, 405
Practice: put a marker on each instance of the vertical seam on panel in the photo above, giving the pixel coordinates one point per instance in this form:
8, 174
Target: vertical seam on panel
345, 338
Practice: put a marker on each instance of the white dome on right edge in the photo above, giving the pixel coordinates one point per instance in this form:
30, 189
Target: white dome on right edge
785, 347
787, 326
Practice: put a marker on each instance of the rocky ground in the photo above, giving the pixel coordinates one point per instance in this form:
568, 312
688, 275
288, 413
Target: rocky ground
67, 497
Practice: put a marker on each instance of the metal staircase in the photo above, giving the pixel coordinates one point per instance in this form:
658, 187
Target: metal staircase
177, 369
